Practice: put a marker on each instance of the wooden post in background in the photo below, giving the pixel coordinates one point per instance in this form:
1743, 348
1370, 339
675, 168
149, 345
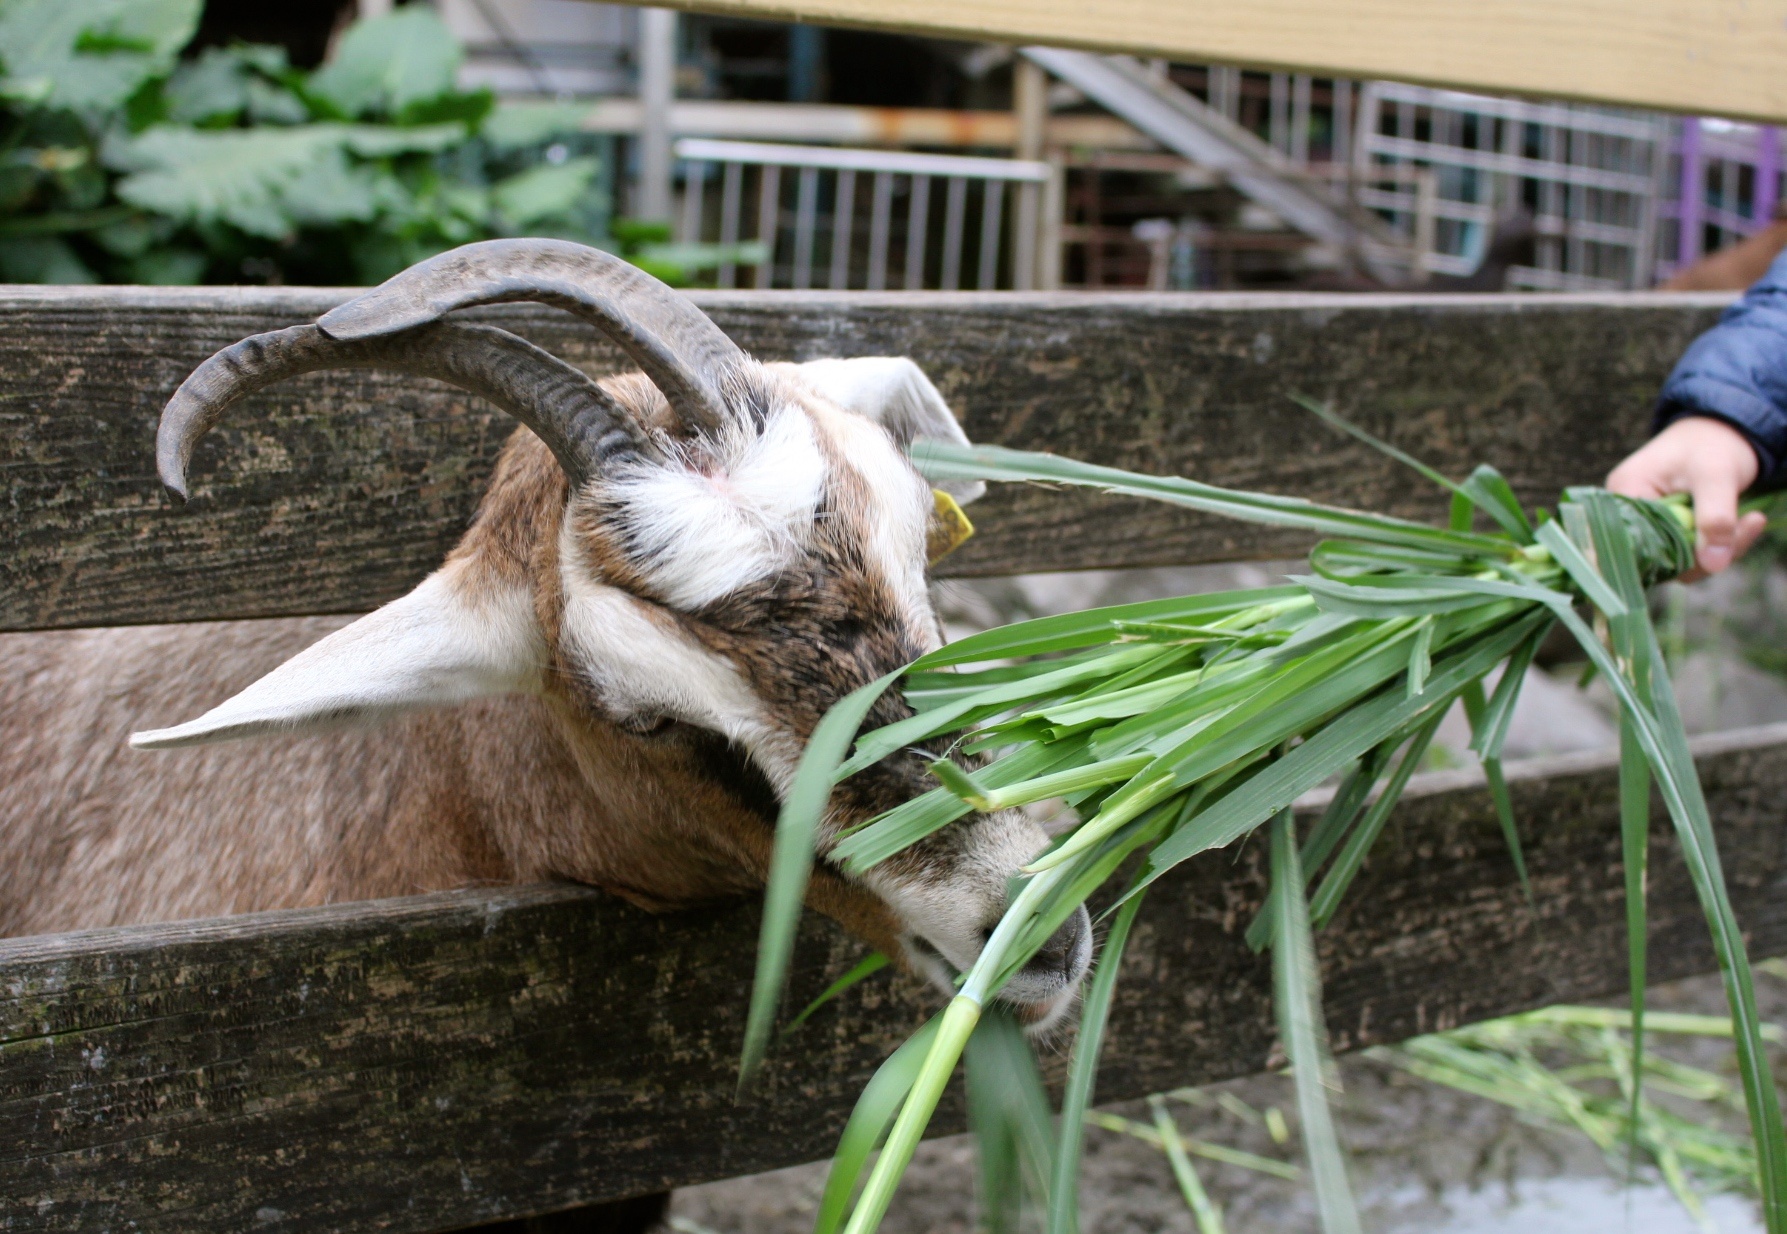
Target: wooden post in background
657, 88
1030, 103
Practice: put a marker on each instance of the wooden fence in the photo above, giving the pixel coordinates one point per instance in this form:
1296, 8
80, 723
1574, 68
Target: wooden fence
429, 1063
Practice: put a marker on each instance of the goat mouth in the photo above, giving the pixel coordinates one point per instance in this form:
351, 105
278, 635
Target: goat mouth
1036, 1001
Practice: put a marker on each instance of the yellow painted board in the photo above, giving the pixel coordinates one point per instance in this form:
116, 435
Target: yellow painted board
1712, 57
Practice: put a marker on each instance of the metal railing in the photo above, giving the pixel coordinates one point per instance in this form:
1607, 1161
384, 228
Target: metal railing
870, 219
1588, 175
1727, 182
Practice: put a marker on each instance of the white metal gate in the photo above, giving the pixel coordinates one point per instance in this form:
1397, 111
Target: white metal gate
873, 219
1589, 175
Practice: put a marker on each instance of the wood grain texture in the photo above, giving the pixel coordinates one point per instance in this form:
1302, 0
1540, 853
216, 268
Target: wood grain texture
1718, 57
337, 492
428, 1063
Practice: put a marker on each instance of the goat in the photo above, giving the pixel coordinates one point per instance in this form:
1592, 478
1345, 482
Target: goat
671, 577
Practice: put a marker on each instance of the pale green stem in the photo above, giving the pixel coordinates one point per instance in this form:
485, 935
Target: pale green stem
958, 1022
1115, 814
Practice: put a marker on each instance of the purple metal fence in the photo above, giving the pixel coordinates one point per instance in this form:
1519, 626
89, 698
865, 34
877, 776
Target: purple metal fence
1726, 181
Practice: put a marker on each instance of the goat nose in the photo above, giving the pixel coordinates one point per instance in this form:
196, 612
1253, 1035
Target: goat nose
1067, 954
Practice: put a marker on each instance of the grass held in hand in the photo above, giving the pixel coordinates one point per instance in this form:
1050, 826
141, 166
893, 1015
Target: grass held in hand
1177, 726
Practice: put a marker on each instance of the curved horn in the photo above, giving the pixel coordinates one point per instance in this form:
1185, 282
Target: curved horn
685, 354
584, 428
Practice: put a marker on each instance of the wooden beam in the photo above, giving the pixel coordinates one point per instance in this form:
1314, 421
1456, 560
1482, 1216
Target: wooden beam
865, 126
336, 492
424, 1064
1712, 57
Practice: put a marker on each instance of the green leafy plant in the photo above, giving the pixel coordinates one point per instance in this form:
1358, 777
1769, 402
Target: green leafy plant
1174, 727
122, 163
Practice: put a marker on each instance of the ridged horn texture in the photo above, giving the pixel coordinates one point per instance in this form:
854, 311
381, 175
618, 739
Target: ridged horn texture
585, 429
685, 354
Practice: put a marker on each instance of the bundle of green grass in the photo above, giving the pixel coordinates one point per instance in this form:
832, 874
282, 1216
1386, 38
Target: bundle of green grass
1177, 726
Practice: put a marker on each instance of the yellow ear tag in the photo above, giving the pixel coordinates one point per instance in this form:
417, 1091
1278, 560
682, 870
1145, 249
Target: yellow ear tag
949, 527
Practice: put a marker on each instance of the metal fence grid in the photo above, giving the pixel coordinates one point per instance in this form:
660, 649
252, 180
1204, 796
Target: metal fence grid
872, 219
1589, 176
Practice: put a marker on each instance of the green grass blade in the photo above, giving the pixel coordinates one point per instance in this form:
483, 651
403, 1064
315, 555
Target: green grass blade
1634, 826
797, 831
1008, 1109
1343, 809
878, 744
1340, 741
1297, 992
864, 968
1582, 572
1203, 1208
1076, 1099
939, 461
1664, 742
1486, 489
907, 824
945, 1048
875, 1109
1477, 711
1488, 736
1072, 631
1490, 491
1420, 657
1358, 844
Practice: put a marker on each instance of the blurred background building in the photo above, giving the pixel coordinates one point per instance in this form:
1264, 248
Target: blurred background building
868, 160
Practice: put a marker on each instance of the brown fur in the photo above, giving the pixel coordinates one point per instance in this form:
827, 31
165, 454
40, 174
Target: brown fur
580, 779
516, 789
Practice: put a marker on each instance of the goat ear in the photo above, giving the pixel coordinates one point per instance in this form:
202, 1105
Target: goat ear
894, 393
441, 643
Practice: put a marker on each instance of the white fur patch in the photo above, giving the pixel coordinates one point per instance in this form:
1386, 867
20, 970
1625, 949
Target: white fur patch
898, 512
432, 646
894, 392
703, 533
647, 669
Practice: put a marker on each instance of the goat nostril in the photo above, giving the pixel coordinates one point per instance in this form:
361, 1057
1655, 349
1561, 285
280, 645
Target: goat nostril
1068, 950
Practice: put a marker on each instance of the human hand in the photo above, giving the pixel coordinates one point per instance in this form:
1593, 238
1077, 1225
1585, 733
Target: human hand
1711, 462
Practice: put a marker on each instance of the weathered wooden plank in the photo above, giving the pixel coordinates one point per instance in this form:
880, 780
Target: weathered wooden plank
1719, 57
337, 492
422, 1064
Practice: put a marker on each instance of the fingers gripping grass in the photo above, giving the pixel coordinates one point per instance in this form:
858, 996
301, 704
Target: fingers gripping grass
1178, 726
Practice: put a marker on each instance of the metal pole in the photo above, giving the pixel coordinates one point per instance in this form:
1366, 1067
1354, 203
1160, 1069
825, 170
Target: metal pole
1768, 174
1030, 102
1692, 194
657, 87
1048, 242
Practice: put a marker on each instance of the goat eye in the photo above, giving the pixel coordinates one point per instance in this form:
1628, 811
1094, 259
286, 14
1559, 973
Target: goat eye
648, 726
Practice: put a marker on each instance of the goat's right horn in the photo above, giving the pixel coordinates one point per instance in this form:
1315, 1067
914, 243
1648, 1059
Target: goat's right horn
684, 353
585, 429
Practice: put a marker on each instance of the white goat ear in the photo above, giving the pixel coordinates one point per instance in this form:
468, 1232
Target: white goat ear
894, 393
435, 645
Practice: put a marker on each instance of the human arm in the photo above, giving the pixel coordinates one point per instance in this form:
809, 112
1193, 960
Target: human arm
1721, 422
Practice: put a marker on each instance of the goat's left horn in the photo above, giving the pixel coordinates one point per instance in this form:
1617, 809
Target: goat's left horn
585, 429
685, 354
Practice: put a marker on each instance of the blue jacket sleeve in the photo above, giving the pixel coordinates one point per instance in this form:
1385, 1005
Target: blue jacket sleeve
1737, 372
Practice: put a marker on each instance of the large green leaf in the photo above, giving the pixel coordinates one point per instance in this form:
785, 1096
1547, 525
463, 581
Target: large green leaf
267, 182
226, 84
91, 55
389, 63
539, 193
513, 126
